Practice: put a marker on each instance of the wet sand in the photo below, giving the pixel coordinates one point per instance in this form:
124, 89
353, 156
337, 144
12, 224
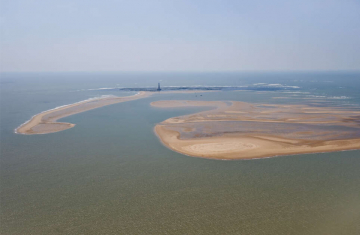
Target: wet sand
238, 130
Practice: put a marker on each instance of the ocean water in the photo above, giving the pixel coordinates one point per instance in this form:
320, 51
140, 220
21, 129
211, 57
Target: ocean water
110, 174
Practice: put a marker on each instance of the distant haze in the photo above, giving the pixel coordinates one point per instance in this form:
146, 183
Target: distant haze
186, 35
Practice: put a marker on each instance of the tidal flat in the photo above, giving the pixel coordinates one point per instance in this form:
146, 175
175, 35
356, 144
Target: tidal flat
239, 130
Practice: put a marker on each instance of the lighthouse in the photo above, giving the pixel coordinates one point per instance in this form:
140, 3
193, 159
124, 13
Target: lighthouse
159, 89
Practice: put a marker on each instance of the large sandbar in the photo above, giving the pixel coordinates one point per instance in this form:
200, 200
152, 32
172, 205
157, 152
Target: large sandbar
239, 130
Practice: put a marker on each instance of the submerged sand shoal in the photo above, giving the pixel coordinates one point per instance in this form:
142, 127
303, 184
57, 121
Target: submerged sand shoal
239, 130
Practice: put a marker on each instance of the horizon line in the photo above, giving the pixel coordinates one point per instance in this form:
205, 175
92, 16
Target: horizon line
189, 71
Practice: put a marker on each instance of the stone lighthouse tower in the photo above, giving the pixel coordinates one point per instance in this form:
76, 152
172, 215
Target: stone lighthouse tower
159, 89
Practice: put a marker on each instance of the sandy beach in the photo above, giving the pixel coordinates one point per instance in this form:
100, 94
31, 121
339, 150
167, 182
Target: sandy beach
244, 131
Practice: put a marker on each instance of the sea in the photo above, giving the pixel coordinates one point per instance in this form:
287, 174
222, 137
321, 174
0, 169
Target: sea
111, 175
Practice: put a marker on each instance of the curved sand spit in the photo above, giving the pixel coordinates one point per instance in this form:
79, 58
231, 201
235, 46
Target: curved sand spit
243, 131
45, 122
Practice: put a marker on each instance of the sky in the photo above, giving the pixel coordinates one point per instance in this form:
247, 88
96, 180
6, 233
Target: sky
179, 35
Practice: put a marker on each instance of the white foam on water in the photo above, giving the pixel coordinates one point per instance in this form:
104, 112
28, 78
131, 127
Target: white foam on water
339, 97
331, 97
275, 85
103, 88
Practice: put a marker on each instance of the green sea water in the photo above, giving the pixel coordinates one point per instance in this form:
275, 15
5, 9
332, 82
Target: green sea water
111, 175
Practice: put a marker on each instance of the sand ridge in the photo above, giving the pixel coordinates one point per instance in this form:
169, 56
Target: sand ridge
46, 122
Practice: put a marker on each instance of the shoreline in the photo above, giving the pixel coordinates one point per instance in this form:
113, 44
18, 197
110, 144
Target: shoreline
236, 155
253, 144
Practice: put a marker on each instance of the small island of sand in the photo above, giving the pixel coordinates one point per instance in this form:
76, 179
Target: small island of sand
239, 130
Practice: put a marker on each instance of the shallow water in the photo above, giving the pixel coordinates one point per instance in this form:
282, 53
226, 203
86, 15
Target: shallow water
110, 174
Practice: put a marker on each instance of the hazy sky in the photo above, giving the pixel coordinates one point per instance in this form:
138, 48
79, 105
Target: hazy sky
179, 35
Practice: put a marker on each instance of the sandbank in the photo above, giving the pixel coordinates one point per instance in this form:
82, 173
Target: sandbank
242, 130
45, 122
